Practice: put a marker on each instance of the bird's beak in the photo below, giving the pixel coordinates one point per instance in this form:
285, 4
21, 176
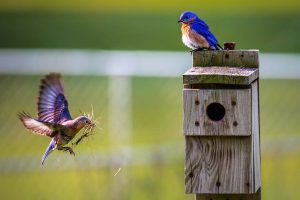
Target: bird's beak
180, 21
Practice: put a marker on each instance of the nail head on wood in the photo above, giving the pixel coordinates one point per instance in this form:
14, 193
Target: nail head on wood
233, 103
235, 123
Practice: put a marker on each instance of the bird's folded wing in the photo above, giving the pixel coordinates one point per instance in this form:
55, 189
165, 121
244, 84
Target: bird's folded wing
52, 103
205, 32
35, 126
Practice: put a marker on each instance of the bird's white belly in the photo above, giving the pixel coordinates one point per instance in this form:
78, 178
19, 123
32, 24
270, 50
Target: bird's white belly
189, 42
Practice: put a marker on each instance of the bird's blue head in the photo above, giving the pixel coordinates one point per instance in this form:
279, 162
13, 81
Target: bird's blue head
187, 17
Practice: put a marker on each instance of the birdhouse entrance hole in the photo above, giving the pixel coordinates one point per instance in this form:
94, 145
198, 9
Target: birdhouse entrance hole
215, 111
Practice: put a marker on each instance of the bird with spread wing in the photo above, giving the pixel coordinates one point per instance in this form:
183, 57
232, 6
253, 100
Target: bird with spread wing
54, 119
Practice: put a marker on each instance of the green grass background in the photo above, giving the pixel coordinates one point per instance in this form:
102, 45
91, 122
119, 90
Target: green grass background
147, 31
148, 25
157, 107
153, 6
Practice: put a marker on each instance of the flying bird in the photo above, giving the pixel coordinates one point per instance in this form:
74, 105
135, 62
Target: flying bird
196, 34
54, 119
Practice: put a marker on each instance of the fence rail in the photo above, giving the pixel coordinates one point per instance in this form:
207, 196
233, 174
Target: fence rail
128, 63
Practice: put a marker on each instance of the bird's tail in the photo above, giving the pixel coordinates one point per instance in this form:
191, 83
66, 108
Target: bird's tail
49, 149
219, 47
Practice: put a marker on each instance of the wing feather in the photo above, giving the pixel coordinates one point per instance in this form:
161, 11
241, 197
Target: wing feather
34, 125
202, 28
52, 103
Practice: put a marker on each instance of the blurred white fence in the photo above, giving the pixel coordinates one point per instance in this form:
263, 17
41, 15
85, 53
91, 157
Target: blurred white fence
130, 63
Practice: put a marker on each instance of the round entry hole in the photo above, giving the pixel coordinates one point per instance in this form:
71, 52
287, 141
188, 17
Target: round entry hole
215, 111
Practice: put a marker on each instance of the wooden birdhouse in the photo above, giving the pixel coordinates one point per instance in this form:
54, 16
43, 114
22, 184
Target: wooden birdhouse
221, 124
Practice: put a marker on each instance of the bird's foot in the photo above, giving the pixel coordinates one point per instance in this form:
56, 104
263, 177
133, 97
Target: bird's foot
199, 49
192, 51
202, 49
69, 149
71, 152
81, 137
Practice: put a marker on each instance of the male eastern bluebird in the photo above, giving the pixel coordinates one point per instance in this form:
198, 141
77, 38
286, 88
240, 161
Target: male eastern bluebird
54, 119
196, 34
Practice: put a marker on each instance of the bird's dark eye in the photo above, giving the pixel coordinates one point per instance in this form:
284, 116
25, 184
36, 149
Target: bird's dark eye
86, 121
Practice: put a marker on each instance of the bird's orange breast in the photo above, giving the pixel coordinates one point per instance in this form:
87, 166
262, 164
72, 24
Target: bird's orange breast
185, 29
197, 39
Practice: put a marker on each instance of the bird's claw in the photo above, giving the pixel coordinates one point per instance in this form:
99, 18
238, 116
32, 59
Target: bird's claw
69, 149
195, 50
199, 49
72, 152
82, 136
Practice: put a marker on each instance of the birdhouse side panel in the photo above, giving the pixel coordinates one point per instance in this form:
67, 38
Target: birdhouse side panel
256, 136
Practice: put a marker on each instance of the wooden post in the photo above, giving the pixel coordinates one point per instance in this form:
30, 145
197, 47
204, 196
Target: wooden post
221, 125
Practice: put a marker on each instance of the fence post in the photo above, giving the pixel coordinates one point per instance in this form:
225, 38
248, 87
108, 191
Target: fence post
120, 128
221, 125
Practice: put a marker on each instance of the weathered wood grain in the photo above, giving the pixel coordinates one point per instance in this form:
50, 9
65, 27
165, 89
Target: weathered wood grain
201, 165
237, 119
232, 58
191, 111
217, 164
256, 136
234, 165
220, 75
255, 196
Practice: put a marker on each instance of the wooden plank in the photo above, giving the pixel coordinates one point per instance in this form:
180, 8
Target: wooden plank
217, 164
237, 118
251, 166
256, 136
234, 165
220, 75
255, 196
201, 165
232, 58
191, 112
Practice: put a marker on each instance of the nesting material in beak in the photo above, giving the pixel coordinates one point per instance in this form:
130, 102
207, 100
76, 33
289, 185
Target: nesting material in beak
88, 129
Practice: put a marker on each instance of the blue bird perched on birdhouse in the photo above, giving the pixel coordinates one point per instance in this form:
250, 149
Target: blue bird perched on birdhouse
54, 119
196, 34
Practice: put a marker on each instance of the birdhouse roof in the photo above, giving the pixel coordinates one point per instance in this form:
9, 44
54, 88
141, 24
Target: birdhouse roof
220, 75
235, 67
